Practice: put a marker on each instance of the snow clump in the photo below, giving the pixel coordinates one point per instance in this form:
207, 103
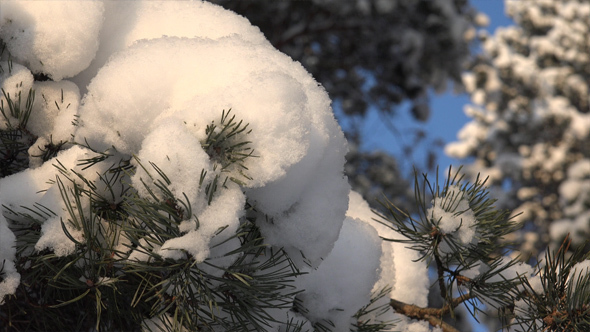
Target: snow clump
453, 216
146, 81
59, 47
401, 270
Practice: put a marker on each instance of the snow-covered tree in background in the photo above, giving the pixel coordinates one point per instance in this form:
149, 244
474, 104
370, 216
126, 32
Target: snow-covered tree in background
531, 119
165, 168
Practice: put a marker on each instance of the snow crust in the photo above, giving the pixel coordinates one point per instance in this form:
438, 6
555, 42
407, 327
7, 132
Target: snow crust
144, 80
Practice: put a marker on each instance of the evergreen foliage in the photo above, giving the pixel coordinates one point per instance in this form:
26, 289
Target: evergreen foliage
563, 301
480, 274
120, 275
15, 140
119, 293
474, 269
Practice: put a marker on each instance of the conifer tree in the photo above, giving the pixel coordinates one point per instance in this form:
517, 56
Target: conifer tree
530, 120
207, 193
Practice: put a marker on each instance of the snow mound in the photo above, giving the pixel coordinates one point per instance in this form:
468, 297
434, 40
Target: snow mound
296, 141
57, 38
147, 81
127, 22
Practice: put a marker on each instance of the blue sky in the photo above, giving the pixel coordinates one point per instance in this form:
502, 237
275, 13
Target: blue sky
447, 116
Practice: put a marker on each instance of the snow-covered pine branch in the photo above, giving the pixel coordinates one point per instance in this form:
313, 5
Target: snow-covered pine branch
166, 169
158, 209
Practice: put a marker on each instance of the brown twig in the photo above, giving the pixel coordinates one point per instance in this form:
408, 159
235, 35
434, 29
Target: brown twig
431, 315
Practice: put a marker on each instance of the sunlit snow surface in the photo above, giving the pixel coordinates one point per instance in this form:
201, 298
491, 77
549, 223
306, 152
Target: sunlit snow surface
144, 79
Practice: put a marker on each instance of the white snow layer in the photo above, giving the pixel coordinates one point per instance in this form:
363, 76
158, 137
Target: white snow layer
400, 268
146, 78
126, 22
578, 273
329, 294
297, 172
15, 81
407, 276
58, 38
10, 277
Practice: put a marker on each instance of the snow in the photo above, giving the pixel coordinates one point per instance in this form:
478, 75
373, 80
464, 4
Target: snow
9, 276
216, 76
223, 213
408, 276
517, 272
183, 155
469, 81
126, 23
401, 269
26, 188
577, 226
15, 82
328, 294
290, 117
577, 273
55, 107
58, 38
141, 81
482, 20
453, 216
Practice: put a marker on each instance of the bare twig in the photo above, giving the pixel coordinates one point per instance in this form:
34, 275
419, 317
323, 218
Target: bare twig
431, 315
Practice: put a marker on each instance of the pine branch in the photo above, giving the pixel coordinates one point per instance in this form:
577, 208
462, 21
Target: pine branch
468, 207
563, 303
440, 270
374, 310
116, 292
431, 315
15, 138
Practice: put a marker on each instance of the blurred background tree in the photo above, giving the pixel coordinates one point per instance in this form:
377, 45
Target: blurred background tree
531, 120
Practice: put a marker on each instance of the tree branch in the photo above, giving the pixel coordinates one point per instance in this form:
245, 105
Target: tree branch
431, 315
439, 265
